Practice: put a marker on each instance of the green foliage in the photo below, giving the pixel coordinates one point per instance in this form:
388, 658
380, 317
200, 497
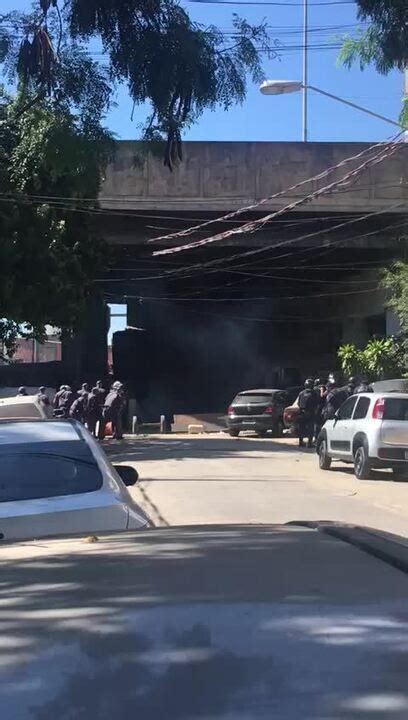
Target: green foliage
380, 359
385, 42
180, 68
52, 153
351, 360
395, 280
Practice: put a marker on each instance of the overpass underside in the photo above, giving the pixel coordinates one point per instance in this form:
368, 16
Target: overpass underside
256, 309
263, 309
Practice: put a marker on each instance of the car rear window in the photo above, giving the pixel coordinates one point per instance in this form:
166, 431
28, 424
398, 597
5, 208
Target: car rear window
253, 398
396, 409
47, 470
20, 410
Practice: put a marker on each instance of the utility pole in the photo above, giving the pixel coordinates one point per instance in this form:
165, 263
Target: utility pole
305, 69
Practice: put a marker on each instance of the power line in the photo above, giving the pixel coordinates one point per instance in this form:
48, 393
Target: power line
258, 203
172, 275
253, 225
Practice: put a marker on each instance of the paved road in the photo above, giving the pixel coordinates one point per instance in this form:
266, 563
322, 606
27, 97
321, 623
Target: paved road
218, 479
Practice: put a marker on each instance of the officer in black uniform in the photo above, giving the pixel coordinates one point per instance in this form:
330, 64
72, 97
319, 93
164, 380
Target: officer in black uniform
363, 387
307, 407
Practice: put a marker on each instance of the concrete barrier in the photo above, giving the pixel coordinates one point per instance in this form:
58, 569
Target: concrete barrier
211, 422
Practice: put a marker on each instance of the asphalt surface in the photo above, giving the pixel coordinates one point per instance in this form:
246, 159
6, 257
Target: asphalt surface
205, 623
217, 479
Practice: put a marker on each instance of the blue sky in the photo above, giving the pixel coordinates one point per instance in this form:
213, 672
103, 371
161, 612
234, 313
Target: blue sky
279, 118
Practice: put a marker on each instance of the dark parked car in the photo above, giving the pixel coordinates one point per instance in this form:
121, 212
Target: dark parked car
258, 410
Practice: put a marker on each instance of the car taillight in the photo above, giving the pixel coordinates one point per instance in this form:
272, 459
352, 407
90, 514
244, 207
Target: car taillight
378, 409
230, 410
269, 409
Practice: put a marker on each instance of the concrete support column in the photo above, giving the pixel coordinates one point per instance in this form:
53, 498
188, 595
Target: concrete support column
85, 355
138, 313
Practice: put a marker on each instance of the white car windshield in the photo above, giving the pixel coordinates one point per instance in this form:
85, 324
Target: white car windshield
41, 470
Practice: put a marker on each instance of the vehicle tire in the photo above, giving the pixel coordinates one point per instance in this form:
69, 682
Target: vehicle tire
233, 433
401, 473
325, 460
362, 469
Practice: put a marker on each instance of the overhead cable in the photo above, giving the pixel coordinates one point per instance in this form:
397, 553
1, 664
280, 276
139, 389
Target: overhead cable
254, 225
258, 203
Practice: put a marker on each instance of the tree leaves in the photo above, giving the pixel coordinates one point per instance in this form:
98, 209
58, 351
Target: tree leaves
380, 359
385, 42
49, 255
395, 280
178, 66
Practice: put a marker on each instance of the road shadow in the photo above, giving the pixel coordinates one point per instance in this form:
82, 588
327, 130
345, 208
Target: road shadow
157, 448
207, 622
376, 476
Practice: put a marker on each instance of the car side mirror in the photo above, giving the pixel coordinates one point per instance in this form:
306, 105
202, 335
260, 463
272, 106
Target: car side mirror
127, 474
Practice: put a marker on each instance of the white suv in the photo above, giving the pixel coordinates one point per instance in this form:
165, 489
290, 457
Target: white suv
369, 430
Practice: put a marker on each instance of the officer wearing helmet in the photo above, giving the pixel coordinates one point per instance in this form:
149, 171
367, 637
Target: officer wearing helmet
351, 386
320, 391
363, 386
113, 409
307, 411
43, 398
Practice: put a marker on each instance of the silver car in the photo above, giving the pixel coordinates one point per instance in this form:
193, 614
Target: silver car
369, 430
55, 479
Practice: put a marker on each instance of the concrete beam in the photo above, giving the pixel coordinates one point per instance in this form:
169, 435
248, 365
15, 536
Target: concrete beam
221, 176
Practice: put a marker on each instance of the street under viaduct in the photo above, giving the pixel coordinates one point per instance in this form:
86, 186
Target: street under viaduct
207, 330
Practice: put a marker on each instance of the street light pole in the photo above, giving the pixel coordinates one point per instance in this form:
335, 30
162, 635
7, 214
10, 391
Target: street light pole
356, 107
305, 70
284, 87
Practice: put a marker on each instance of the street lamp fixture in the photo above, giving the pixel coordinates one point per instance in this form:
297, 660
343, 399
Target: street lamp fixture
284, 87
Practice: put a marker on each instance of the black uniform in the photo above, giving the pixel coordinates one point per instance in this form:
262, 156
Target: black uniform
319, 391
93, 412
66, 401
112, 412
307, 406
364, 387
78, 408
334, 398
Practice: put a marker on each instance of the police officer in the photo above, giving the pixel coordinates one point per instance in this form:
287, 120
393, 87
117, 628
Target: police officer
84, 389
363, 386
351, 386
93, 413
78, 408
66, 401
307, 407
101, 390
57, 397
335, 397
43, 398
113, 409
320, 392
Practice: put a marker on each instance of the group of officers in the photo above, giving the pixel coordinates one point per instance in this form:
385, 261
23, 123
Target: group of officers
319, 402
94, 407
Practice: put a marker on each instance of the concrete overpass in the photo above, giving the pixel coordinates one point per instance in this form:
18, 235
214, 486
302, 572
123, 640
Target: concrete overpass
217, 176
202, 329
